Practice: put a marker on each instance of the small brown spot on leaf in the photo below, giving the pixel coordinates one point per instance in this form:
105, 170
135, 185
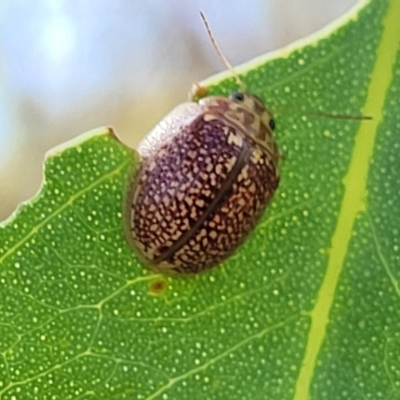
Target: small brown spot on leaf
158, 287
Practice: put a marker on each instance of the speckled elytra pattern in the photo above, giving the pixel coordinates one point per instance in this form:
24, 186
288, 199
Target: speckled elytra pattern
199, 195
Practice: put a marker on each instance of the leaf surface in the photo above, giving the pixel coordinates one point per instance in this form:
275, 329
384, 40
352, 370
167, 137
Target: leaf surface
309, 306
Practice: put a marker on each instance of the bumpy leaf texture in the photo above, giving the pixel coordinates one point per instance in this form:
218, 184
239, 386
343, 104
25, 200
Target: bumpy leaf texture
309, 306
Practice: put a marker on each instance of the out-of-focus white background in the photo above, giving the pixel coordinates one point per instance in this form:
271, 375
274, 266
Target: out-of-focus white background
67, 66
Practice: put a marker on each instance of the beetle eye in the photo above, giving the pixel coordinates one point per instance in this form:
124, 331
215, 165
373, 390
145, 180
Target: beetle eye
272, 124
237, 96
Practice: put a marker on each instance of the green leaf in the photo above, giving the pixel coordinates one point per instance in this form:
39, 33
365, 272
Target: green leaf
307, 309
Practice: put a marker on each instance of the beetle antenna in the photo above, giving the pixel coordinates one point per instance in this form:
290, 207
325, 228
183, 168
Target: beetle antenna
324, 114
221, 55
339, 116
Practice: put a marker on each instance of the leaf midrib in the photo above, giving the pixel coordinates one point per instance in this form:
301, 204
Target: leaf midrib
355, 194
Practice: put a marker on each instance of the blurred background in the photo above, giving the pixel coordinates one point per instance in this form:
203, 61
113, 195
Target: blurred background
67, 66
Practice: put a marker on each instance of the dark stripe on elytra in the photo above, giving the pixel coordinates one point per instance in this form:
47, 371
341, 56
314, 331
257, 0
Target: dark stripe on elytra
217, 202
